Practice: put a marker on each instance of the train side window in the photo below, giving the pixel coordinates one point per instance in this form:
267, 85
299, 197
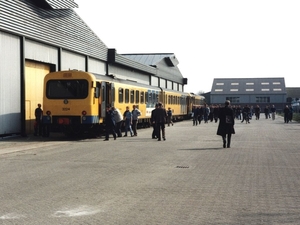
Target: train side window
121, 95
142, 97
131, 96
137, 97
126, 96
146, 97
150, 98
169, 99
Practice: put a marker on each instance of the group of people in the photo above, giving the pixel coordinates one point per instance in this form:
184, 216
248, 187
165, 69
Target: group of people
114, 120
40, 129
204, 113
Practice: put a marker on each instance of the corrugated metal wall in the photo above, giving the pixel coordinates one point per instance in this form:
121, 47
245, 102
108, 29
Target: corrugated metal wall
125, 73
41, 52
70, 61
96, 66
10, 94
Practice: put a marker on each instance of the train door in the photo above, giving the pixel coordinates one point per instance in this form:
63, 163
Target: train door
110, 87
103, 100
34, 83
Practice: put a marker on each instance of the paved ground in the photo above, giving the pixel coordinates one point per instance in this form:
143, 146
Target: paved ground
190, 178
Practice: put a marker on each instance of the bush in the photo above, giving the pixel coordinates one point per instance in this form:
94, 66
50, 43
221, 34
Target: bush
296, 117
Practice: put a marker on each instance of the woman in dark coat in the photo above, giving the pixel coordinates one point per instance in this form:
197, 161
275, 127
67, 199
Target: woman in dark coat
226, 124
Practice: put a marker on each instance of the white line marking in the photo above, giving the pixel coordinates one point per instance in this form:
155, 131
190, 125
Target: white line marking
10, 216
80, 211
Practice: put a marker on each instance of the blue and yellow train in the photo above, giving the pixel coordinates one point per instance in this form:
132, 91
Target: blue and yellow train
75, 101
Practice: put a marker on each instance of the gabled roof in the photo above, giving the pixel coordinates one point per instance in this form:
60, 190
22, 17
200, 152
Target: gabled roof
153, 59
240, 86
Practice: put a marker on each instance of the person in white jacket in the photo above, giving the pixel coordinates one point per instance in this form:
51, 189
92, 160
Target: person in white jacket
119, 120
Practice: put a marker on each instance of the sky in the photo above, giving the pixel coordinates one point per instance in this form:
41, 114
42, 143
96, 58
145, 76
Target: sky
210, 38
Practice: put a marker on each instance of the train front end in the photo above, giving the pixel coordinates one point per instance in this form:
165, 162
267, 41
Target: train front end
71, 101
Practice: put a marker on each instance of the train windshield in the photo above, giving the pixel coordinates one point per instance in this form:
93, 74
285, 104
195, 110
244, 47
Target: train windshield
71, 89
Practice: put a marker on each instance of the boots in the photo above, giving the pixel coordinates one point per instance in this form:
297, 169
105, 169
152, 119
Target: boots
224, 141
228, 141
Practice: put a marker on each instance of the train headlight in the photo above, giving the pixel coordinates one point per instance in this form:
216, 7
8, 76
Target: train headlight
48, 113
83, 113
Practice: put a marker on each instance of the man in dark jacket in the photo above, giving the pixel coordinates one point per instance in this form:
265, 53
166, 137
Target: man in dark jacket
226, 124
160, 120
109, 123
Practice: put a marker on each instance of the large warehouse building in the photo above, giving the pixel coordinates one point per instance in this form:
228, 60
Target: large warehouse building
251, 91
42, 36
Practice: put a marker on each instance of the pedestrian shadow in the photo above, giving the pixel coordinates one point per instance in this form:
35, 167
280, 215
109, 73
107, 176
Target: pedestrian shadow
199, 149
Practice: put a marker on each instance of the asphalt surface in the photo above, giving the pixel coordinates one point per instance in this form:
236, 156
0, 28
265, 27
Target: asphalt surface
187, 179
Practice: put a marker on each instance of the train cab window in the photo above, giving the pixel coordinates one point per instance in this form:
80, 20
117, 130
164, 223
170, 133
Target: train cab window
142, 97
137, 97
126, 96
121, 95
62, 89
131, 96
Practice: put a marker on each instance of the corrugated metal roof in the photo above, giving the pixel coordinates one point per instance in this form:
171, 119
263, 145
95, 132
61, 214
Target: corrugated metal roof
62, 28
149, 59
166, 64
231, 86
62, 4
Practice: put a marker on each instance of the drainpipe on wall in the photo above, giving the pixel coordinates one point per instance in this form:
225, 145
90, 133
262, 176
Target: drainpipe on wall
22, 78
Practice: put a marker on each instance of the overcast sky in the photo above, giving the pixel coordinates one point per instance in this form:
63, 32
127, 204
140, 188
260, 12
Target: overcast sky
210, 38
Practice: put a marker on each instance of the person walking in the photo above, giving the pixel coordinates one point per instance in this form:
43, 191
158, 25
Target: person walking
273, 111
286, 112
267, 112
195, 112
169, 117
160, 120
246, 114
38, 126
128, 121
135, 117
257, 112
109, 123
206, 112
226, 124
153, 124
119, 120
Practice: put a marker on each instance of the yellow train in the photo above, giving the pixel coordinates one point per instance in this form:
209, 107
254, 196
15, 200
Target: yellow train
76, 101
